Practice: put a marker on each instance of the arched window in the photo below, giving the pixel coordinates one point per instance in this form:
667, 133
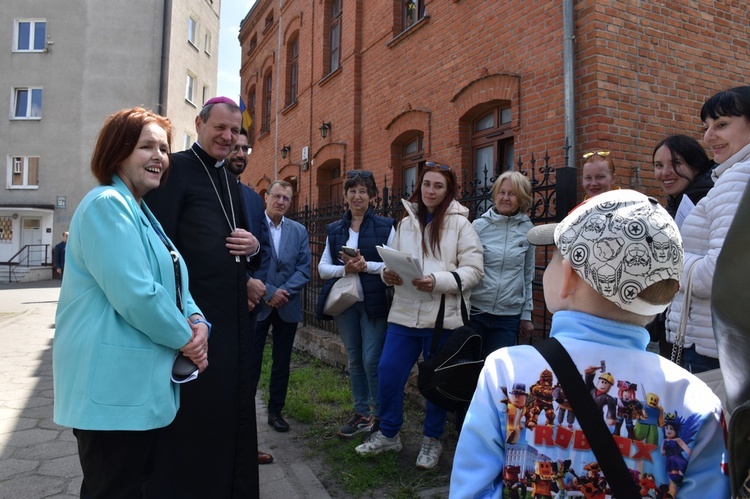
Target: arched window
412, 11
334, 36
412, 153
292, 79
265, 125
492, 144
251, 110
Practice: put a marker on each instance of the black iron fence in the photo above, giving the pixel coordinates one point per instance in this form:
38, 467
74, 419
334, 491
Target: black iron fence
554, 195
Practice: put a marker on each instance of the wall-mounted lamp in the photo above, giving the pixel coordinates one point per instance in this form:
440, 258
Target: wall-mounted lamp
324, 128
285, 150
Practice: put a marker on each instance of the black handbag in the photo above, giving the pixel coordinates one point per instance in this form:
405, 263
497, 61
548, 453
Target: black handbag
589, 417
449, 376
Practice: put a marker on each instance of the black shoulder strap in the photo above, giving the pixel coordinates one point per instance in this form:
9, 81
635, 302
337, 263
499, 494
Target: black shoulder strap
441, 315
590, 417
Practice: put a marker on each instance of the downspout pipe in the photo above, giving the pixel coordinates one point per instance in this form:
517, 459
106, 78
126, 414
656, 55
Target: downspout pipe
166, 34
277, 95
569, 79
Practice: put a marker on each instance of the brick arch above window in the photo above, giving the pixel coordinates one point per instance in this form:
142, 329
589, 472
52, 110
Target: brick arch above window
293, 25
268, 63
412, 119
262, 185
496, 87
334, 150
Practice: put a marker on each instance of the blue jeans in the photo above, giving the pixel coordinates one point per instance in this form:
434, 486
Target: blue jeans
400, 353
363, 339
497, 331
697, 363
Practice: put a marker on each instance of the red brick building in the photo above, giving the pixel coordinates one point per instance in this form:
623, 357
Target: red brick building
477, 84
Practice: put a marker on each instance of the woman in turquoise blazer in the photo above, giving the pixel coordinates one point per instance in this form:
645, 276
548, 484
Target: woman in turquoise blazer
118, 324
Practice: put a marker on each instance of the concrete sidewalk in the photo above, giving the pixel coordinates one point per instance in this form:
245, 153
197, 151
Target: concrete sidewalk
39, 459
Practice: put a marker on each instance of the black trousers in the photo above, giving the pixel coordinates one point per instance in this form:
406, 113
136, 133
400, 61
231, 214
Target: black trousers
115, 463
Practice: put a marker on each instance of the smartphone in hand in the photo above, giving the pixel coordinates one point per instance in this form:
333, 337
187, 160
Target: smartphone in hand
349, 251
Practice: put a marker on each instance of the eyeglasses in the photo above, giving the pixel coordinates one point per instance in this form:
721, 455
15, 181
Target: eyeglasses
603, 154
280, 197
245, 149
437, 166
358, 173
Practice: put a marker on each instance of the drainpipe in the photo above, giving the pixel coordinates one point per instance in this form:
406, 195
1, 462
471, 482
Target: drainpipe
568, 77
278, 93
166, 33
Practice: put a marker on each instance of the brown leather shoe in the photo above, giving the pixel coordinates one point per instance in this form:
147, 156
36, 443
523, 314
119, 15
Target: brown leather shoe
264, 458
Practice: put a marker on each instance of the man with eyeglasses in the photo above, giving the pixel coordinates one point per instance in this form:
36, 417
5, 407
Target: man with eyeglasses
252, 204
285, 270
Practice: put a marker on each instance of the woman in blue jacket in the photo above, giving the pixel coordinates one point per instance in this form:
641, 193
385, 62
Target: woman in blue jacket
501, 304
124, 311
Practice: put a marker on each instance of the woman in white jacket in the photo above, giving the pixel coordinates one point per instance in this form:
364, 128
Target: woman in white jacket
436, 230
726, 118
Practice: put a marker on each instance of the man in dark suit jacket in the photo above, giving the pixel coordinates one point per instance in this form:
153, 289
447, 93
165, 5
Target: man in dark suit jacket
285, 269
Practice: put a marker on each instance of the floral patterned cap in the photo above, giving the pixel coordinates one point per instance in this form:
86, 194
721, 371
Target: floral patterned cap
620, 242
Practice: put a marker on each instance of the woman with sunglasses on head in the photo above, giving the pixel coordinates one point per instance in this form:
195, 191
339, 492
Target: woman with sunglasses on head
682, 167
726, 121
361, 326
598, 173
436, 230
502, 303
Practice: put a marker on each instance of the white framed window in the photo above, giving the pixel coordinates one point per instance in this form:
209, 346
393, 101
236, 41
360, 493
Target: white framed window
27, 103
207, 43
187, 141
23, 172
190, 88
204, 97
29, 35
192, 31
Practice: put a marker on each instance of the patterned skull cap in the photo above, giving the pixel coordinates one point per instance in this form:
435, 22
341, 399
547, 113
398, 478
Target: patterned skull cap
620, 242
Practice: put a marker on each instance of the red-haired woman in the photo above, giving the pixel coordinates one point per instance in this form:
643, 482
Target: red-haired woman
125, 309
436, 230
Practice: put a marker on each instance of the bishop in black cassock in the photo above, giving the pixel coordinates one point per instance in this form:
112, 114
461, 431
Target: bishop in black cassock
209, 451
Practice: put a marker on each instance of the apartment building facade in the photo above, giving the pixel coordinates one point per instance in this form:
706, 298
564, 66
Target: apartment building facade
64, 70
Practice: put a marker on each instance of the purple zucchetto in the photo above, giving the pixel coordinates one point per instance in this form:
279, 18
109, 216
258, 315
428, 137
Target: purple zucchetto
220, 100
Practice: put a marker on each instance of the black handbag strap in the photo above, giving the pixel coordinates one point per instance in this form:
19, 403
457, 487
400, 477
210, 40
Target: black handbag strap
441, 315
590, 417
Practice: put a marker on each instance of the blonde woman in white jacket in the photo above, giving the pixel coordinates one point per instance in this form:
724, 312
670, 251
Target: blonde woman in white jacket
437, 231
726, 117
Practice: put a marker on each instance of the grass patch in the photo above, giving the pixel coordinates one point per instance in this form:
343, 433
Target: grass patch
320, 396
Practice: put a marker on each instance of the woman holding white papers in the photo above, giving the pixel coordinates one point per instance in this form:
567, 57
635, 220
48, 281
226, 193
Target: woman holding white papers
436, 230
726, 121
361, 326
682, 167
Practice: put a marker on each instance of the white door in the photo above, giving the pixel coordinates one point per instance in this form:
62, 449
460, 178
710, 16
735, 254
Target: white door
31, 233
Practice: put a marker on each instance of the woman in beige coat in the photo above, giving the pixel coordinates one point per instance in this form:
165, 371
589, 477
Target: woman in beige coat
436, 230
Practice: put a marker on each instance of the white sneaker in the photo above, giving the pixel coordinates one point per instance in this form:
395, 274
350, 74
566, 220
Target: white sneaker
430, 454
378, 443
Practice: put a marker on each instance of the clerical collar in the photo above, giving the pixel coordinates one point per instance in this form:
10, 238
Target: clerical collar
208, 158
